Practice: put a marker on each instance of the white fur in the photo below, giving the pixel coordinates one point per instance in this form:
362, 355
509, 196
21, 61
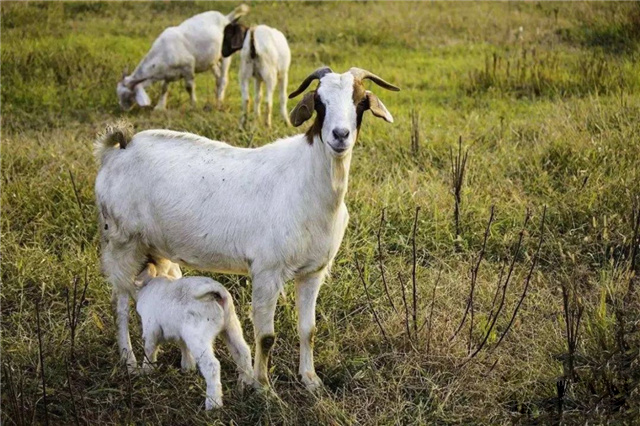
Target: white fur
193, 311
270, 66
180, 52
276, 212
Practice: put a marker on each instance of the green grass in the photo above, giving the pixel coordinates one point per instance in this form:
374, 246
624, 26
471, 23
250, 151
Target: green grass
559, 129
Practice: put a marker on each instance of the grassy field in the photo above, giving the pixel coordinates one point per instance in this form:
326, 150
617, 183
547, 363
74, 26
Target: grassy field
544, 98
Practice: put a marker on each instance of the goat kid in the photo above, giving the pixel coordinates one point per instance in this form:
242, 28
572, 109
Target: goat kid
180, 52
192, 311
275, 213
265, 57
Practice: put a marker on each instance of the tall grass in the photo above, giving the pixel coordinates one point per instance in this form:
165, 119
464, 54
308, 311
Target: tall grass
547, 314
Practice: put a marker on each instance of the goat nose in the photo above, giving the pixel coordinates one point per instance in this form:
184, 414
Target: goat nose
341, 134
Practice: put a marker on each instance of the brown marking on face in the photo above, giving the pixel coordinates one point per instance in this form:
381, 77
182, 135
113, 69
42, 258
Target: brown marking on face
316, 127
360, 102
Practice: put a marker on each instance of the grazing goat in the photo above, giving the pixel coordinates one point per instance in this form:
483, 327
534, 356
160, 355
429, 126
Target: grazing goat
192, 47
192, 311
266, 57
275, 212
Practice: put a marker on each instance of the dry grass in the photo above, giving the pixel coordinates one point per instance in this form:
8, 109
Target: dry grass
559, 129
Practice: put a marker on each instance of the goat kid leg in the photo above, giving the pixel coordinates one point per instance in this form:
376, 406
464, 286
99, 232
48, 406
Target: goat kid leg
210, 369
264, 300
307, 289
239, 350
150, 352
187, 362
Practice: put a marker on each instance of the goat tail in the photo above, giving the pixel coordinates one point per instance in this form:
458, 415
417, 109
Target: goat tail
119, 134
210, 290
239, 11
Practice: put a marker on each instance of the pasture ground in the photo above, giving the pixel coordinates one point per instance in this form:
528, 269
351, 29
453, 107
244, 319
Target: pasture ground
544, 97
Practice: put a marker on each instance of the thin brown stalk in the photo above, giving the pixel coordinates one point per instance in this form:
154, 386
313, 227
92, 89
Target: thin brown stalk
381, 263
635, 244
366, 290
42, 366
534, 261
458, 166
504, 290
71, 395
12, 395
413, 275
474, 274
415, 133
406, 307
433, 303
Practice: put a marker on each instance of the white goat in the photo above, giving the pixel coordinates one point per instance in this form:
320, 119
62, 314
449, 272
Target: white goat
192, 47
275, 212
192, 311
265, 56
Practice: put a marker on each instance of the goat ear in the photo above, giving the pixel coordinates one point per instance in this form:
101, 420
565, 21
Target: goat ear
304, 110
377, 107
141, 96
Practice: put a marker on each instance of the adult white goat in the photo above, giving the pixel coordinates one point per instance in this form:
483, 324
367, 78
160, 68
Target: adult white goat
192, 47
265, 56
276, 212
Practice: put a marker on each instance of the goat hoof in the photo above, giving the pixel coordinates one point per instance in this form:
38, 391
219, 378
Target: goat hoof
311, 381
245, 382
214, 403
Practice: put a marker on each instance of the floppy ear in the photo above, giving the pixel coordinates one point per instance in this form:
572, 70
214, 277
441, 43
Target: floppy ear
377, 107
304, 110
141, 96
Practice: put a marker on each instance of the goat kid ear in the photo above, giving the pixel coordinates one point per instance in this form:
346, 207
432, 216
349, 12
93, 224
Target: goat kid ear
377, 107
304, 110
141, 96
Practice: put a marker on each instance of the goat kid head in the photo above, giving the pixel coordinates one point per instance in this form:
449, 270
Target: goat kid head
130, 91
339, 101
234, 34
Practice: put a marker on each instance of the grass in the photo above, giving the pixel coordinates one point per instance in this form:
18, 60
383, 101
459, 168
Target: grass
555, 128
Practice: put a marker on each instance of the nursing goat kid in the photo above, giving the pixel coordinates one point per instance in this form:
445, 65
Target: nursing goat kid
276, 212
266, 57
192, 311
180, 52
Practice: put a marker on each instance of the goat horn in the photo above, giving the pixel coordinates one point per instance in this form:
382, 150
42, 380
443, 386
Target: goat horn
361, 74
317, 74
134, 83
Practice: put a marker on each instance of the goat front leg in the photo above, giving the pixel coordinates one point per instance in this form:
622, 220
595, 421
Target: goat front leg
307, 289
120, 301
264, 299
190, 85
162, 103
